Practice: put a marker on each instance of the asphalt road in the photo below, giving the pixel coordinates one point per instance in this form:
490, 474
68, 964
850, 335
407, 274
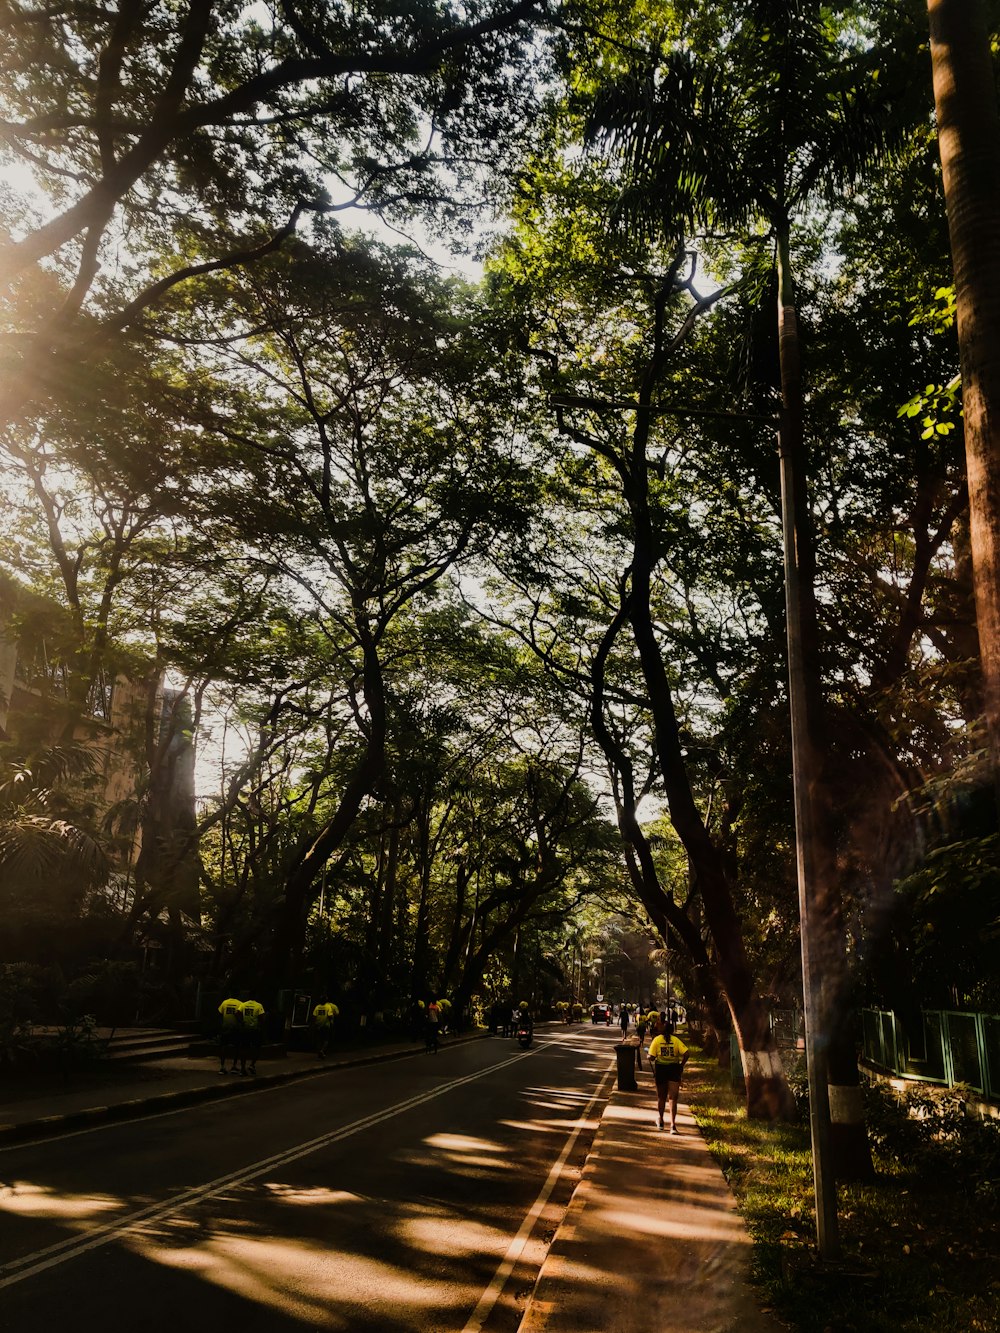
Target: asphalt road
416, 1194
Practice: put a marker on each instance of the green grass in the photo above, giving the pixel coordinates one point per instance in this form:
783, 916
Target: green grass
919, 1251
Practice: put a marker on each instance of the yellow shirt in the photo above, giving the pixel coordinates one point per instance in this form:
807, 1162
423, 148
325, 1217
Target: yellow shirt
325, 1013
253, 1012
667, 1050
231, 1011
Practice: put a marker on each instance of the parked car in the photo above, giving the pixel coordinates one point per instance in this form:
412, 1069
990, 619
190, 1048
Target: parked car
600, 1013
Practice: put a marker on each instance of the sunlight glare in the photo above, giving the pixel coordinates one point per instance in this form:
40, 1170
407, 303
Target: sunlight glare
298, 1279
24, 1199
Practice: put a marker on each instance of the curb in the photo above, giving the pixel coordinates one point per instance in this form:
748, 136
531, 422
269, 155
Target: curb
32, 1131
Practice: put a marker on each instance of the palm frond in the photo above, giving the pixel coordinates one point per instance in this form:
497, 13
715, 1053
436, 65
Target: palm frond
33, 776
786, 110
671, 129
34, 847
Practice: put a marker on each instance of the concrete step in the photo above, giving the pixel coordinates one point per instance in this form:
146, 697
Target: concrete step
151, 1045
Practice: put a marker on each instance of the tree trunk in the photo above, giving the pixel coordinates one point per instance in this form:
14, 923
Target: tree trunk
288, 921
969, 142
421, 932
384, 932
767, 1091
663, 912
461, 927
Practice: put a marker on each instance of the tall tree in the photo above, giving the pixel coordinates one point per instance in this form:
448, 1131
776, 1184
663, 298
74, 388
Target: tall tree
793, 116
370, 455
635, 304
969, 138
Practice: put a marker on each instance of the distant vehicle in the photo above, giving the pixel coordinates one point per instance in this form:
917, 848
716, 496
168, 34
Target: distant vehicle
600, 1013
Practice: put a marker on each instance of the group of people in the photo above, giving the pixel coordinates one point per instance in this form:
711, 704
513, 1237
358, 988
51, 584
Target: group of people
241, 1034
667, 1057
242, 1031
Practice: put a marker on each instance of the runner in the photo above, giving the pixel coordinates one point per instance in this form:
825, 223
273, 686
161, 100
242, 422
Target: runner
668, 1056
323, 1015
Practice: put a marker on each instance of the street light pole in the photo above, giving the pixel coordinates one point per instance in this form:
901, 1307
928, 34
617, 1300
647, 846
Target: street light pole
804, 768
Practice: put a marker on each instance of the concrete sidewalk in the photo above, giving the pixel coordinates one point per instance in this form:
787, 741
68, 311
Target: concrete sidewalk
651, 1240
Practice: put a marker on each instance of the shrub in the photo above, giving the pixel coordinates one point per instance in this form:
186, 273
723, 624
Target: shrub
110, 991
937, 1131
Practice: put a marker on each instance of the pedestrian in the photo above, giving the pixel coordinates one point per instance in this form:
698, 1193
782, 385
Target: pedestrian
323, 1015
252, 1015
668, 1056
624, 1021
230, 1033
433, 1027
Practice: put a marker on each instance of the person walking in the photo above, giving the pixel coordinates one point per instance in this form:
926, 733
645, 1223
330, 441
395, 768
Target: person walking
323, 1015
252, 1016
433, 1027
623, 1021
230, 1033
668, 1056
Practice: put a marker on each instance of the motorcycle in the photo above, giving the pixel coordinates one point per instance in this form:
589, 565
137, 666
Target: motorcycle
525, 1036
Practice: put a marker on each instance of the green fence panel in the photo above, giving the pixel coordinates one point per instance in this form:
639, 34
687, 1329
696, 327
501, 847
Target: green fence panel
956, 1048
991, 1047
788, 1028
966, 1055
887, 1035
871, 1042
931, 1069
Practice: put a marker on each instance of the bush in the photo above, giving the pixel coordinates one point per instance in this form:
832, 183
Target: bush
937, 1132
796, 1075
77, 1043
28, 994
110, 992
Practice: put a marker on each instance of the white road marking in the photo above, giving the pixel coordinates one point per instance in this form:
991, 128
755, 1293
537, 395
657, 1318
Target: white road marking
267, 1089
17, 1270
491, 1295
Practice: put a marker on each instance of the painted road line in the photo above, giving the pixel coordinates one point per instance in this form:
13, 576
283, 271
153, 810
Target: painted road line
18, 1270
491, 1295
188, 1101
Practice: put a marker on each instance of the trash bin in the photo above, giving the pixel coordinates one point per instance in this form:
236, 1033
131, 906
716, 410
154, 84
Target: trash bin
626, 1067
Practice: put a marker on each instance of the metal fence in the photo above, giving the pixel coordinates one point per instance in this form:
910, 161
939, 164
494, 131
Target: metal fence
948, 1048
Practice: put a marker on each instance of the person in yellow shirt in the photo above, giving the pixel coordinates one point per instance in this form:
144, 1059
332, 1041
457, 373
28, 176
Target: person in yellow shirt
323, 1015
230, 1032
252, 1013
668, 1056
